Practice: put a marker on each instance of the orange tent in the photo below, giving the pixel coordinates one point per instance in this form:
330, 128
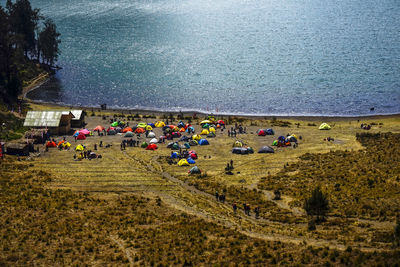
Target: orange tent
182, 130
98, 128
60, 143
51, 144
127, 129
139, 130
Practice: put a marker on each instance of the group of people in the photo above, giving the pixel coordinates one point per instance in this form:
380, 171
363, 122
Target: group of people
365, 126
246, 207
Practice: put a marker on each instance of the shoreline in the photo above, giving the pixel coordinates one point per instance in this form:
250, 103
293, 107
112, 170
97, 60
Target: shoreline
44, 77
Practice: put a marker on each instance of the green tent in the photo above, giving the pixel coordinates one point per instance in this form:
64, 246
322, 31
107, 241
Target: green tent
129, 134
275, 143
194, 170
142, 125
205, 126
144, 145
175, 146
114, 124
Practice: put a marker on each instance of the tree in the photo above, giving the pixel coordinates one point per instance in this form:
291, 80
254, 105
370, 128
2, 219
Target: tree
48, 42
317, 204
23, 22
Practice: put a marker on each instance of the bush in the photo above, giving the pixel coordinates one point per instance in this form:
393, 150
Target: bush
317, 204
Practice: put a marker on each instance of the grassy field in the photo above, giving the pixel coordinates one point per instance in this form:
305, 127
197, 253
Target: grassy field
132, 207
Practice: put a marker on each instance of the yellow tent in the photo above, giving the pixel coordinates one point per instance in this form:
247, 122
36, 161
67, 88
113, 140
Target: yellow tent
149, 128
204, 132
237, 144
196, 137
66, 144
324, 126
79, 148
211, 129
183, 162
205, 121
160, 124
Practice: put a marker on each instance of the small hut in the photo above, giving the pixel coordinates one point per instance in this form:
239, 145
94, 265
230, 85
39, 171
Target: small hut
78, 120
17, 149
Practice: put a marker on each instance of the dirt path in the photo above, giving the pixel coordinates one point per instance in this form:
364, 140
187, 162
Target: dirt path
121, 246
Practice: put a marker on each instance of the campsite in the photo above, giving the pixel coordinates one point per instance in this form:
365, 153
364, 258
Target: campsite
184, 162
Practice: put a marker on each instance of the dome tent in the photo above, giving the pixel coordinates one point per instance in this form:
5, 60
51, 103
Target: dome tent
324, 126
153, 141
269, 131
203, 142
266, 149
174, 155
144, 145
191, 161
128, 134
151, 147
151, 135
183, 162
194, 170
261, 132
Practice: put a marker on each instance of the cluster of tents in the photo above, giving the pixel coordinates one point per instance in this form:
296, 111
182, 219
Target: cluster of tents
264, 132
283, 141
240, 148
82, 134
61, 145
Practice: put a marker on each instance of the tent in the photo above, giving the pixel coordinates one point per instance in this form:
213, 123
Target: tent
127, 129
193, 155
176, 134
159, 124
175, 146
269, 131
205, 126
60, 143
240, 150
114, 124
196, 137
187, 145
141, 125
203, 142
261, 132
183, 162
79, 148
221, 122
151, 135
98, 128
324, 126
237, 144
110, 128
144, 144
204, 132
281, 138
175, 129
184, 139
149, 128
191, 161
174, 155
205, 122
151, 124
129, 134
266, 149
291, 139
195, 170
151, 147
76, 134
181, 130
51, 144
118, 129
66, 144
275, 143
139, 130
190, 128
81, 136
181, 124
211, 135
193, 142
112, 132
211, 129
154, 141
250, 150
84, 131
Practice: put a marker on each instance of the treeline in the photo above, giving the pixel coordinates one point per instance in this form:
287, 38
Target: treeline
27, 41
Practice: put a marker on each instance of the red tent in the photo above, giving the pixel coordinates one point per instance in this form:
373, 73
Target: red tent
151, 147
221, 122
262, 133
81, 136
127, 129
51, 144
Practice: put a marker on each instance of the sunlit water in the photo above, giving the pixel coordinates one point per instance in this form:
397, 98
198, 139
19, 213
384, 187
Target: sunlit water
297, 57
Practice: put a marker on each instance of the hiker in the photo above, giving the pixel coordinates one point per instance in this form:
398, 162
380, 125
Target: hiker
257, 211
229, 133
217, 195
95, 146
231, 164
248, 209
121, 145
245, 208
101, 144
234, 207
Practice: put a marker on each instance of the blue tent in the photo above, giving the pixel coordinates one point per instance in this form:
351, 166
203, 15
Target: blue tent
151, 124
191, 129
181, 124
174, 155
281, 138
76, 134
187, 145
190, 160
269, 131
203, 142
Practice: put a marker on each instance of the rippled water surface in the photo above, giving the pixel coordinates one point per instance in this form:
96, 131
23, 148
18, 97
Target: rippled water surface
298, 57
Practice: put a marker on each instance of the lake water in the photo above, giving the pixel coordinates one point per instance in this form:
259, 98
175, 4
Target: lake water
285, 57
